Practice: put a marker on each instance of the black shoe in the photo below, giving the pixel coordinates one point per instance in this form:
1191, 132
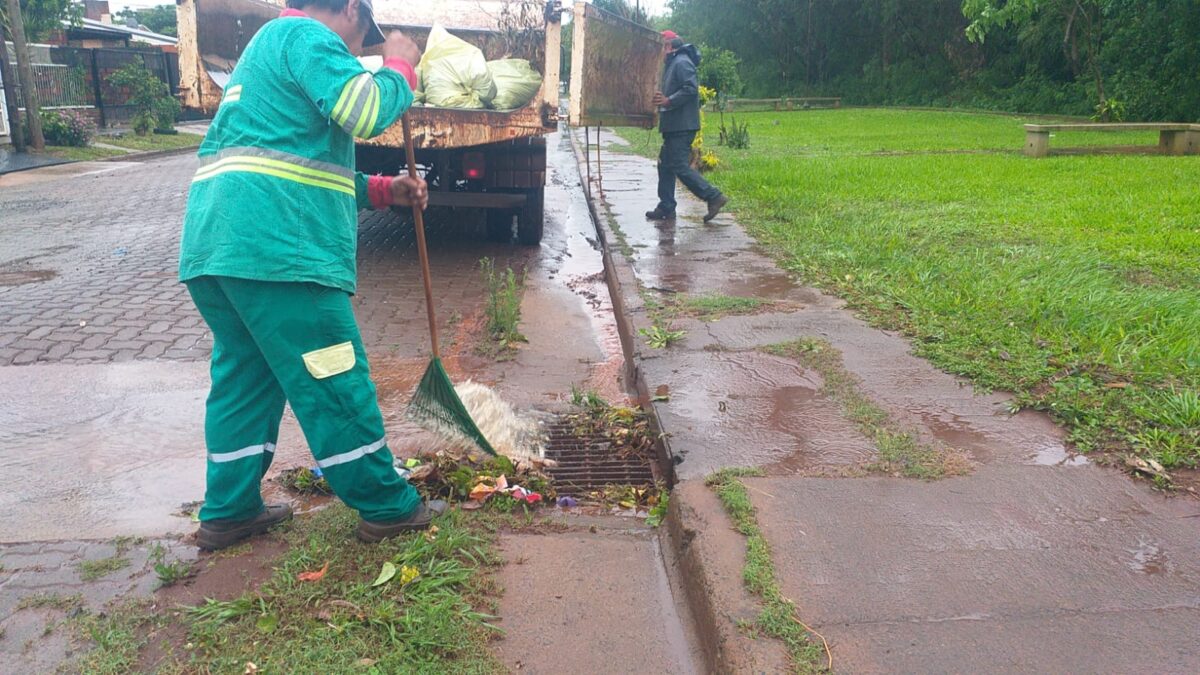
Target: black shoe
659, 214
215, 535
373, 531
714, 206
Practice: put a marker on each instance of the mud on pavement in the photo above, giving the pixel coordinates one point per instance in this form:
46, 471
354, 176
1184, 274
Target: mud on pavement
1030, 559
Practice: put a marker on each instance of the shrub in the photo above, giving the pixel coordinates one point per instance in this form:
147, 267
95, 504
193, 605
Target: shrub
737, 136
149, 96
64, 127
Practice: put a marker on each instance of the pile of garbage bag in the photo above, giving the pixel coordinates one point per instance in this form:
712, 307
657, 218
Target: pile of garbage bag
455, 74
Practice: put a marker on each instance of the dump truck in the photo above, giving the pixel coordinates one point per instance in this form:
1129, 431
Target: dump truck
471, 158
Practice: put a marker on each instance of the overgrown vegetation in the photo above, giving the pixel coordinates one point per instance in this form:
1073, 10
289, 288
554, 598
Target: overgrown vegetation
503, 306
1041, 56
1070, 281
901, 452
65, 128
778, 617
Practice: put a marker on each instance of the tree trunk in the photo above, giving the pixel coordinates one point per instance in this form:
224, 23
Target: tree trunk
25, 72
10, 96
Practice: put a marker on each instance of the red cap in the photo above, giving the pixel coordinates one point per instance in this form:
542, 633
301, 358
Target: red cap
669, 35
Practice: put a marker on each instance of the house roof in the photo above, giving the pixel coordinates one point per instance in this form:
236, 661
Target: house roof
93, 27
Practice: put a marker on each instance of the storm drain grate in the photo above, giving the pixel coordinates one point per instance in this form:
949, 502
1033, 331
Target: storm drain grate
590, 462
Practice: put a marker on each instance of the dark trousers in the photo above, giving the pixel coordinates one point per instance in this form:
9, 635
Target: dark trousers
673, 162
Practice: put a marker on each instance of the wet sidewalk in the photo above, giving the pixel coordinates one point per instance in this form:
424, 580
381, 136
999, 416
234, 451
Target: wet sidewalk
1027, 558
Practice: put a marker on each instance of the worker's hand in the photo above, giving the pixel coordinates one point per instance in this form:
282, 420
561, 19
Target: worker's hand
408, 191
399, 46
660, 100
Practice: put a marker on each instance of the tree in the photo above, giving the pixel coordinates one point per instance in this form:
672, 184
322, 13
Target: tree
1082, 24
719, 71
43, 17
160, 19
625, 9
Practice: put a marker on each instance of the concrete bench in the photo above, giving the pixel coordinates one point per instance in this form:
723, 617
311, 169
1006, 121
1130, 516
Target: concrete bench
1173, 138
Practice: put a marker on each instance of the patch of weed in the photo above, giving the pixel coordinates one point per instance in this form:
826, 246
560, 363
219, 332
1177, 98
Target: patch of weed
587, 399
116, 637
51, 601
777, 617
900, 451
715, 305
91, 570
503, 304
658, 512
662, 335
432, 616
168, 573
304, 481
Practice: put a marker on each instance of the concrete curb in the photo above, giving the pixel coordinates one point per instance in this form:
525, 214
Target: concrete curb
151, 154
705, 554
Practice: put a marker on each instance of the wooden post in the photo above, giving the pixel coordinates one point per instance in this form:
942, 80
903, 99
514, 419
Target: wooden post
10, 97
25, 73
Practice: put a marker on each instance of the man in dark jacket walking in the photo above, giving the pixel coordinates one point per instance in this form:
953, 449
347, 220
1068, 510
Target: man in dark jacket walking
679, 121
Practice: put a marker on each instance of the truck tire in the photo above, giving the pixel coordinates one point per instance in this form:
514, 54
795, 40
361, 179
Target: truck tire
499, 225
531, 219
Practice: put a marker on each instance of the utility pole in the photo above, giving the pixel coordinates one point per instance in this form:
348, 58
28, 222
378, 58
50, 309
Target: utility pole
10, 95
25, 72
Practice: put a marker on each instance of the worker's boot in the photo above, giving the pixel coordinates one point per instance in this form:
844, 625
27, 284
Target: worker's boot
660, 214
714, 206
215, 535
372, 531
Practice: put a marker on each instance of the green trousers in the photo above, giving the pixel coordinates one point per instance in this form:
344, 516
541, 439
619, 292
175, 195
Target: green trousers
295, 342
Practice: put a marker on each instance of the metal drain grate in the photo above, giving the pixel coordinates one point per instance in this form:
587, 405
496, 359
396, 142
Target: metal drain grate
590, 462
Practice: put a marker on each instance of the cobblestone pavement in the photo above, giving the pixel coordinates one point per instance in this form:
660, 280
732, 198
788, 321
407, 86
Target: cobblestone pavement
88, 270
43, 585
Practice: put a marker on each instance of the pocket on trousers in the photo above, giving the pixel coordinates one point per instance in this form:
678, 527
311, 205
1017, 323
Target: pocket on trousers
330, 361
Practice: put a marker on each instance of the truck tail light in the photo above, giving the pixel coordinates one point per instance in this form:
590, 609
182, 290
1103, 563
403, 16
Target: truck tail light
473, 165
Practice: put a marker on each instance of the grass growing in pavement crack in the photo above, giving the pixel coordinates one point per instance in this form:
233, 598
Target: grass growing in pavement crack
91, 570
900, 451
503, 308
778, 616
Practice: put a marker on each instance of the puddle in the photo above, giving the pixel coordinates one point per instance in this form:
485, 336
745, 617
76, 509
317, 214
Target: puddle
1147, 558
748, 408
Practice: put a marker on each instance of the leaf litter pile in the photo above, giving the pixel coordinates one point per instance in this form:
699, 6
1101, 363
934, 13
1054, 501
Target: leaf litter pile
502, 484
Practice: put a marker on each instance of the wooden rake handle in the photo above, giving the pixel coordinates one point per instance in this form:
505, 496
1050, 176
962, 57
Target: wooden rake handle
419, 218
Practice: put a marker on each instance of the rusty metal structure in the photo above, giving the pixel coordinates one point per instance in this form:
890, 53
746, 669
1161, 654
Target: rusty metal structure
488, 159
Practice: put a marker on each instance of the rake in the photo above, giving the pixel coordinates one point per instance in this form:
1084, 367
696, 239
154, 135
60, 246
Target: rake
436, 406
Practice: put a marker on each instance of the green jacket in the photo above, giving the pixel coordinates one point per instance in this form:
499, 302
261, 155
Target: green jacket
276, 196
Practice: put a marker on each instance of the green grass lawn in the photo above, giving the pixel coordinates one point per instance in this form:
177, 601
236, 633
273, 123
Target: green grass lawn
1071, 281
153, 141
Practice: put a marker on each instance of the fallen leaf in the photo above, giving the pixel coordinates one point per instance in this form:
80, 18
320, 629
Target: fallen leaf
250, 668
314, 576
481, 492
471, 506
365, 662
385, 574
1116, 385
421, 472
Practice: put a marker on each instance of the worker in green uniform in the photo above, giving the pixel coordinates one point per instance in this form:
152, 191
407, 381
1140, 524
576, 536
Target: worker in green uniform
268, 255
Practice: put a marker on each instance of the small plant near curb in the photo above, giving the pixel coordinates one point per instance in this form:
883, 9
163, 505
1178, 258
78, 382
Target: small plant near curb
661, 335
778, 617
150, 97
168, 573
66, 128
503, 307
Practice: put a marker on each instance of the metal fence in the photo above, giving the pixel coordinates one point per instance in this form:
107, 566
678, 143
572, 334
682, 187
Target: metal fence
78, 77
61, 86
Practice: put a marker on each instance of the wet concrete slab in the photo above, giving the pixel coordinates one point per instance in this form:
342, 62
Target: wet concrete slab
594, 602
1034, 561
1015, 568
